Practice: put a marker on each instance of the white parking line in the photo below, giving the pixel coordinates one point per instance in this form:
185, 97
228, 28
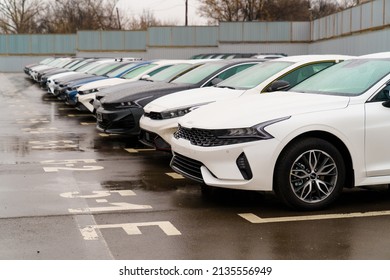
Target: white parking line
79, 115
175, 175
88, 123
258, 220
132, 151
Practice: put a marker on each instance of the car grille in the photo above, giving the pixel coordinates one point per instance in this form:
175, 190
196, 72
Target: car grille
106, 122
197, 137
187, 167
154, 115
209, 137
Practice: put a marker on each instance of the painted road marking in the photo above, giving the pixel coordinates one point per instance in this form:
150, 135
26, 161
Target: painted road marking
79, 115
97, 194
66, 109
88, 123
175, 175
84, 168
63, 144
258, 220
41, 130
133, 151
120, 206
69, 163
89, 232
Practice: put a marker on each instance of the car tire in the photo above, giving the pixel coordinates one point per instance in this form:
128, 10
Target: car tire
310, 174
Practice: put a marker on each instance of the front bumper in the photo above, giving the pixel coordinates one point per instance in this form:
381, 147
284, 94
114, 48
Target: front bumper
162, 131
218, 166
85, 101
123, 121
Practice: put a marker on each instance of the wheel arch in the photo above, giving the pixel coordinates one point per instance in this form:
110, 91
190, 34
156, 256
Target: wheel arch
334, 140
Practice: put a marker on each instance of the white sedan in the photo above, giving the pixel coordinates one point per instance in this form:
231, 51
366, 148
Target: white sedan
162, 115
329, 132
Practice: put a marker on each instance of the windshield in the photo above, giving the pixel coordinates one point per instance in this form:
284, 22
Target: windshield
197, 75
349, 78
255, 75
138, 71
103, 69
171, 72
120, 70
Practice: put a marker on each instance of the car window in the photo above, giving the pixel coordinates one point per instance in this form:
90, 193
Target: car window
197, 75
137, 71
120, 70
172, 72
382, 95
155, 71
349, 78
230, 72
304, 72
251, 77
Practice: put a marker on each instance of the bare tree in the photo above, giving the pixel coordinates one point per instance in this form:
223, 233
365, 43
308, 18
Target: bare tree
68, 16
19, 16
269, 10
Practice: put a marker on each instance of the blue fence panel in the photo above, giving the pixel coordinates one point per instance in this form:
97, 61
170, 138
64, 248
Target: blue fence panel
300, 31
135, 40
231, 31
347, 21
89, 40
378, 13
356, 19
366, 17
3, 44
159, 36
255, 32
41, 44
19, 44
65, 44
183, 36
112, 40
279, 31
206, 36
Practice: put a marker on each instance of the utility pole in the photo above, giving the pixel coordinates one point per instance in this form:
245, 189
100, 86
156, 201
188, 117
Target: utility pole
186, 14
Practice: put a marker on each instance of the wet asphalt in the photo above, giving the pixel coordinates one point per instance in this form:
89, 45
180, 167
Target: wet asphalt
68, 192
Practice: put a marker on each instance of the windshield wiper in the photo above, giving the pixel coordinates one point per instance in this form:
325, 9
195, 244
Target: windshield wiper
229, 87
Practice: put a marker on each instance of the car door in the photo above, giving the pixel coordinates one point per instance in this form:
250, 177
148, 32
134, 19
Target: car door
377, 139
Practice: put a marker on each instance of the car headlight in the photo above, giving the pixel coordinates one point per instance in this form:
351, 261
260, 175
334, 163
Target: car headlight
125, 105
256, 132
179, 112
221, 137
88, 91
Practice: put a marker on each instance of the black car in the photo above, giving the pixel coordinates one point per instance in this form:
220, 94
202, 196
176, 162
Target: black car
120, 113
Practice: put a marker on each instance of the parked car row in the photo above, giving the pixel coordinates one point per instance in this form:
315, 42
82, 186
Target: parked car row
304, 127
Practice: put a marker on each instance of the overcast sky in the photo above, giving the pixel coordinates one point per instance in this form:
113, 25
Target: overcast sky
164, 10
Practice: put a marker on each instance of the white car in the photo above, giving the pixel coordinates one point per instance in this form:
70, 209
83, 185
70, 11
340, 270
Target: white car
162, 115
329, 132
86, 93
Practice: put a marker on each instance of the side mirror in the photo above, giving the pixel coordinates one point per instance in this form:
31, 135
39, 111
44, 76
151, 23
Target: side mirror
278, 85
386, 104
145, 77
216, 81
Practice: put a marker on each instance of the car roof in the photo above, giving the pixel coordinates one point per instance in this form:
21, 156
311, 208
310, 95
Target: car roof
376, 55
309, 58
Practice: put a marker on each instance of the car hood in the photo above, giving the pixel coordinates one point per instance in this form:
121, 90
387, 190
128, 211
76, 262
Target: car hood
102, 83
141, 89
247, 111
191, 97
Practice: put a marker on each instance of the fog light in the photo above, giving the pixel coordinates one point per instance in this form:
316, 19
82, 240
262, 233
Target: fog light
243, 166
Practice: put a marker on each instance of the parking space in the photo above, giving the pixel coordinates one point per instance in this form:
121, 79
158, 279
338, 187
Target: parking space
68, 191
